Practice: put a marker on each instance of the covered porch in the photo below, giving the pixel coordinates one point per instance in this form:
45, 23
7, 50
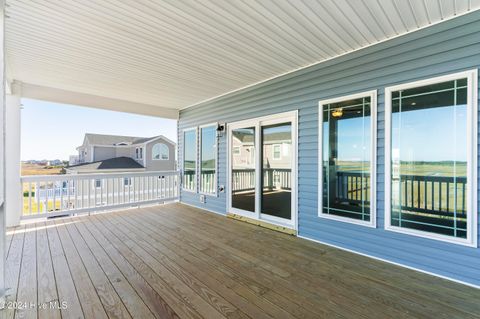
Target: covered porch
211, 65
176, 261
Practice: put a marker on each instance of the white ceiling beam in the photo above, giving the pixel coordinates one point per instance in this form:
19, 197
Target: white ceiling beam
49, 94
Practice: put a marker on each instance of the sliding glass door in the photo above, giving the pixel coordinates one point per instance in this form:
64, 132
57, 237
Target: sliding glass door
262, 169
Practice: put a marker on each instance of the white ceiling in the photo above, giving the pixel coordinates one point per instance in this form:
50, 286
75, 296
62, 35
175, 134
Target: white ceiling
172, 54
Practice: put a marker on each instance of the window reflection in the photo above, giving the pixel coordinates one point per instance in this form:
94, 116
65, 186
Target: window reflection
429, 158
208, 136
276, 170
243, 169
346, 158
189, 159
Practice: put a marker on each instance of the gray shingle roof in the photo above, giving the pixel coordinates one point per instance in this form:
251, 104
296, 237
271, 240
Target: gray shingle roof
109, 140
112, 163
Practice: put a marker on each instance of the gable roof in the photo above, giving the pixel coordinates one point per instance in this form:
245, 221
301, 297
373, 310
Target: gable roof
113, 140
112, 163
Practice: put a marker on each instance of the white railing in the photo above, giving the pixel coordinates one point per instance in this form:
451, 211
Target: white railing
58, 195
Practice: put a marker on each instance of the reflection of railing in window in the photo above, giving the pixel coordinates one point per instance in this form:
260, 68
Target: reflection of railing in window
277, 178
425, 194
207, 181
273, 178
434, 203
243, 179
189, 180
353, 187
433, 194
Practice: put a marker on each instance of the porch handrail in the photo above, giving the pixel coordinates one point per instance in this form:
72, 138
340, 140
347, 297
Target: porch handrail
69, 194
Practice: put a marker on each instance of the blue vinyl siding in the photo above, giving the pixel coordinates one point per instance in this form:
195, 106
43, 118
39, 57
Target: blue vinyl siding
445, 48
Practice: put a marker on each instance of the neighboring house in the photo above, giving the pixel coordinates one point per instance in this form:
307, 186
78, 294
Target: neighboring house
275, 152
55, 162
112, 153
73, 160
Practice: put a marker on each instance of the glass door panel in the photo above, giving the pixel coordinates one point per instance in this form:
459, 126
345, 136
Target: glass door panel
243, 168
277, 156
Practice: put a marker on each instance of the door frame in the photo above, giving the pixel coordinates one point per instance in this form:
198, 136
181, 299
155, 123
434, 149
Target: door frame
257, 123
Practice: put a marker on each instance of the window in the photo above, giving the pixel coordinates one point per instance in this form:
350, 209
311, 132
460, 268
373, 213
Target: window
127, 181
347, 157
236, 150
139, 153
190, 159
98, 183
276, 152
160, 152
431, 158
208, 159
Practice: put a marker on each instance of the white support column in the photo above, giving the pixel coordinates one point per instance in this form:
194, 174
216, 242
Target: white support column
2, 151
13, 196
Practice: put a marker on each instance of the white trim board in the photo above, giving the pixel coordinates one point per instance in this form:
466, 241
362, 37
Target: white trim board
390, 262
472, 153
373, 158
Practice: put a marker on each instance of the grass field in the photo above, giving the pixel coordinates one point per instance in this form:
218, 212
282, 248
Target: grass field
35, 206
415, 168
34, 169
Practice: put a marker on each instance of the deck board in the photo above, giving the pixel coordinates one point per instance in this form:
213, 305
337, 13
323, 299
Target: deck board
89, 298
12, 267
47, 288
63, 277
27, 288
175, 261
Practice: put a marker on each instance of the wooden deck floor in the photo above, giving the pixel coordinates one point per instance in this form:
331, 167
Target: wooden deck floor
174, 261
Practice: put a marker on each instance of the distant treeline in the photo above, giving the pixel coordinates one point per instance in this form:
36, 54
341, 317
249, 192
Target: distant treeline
434, 163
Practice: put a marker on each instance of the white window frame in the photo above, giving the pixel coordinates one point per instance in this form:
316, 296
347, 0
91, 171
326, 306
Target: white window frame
199, 159
373, 159
161, 159
195, 188
280, 152
472, 146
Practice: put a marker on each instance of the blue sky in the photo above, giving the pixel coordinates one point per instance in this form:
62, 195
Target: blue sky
51, 131
426, 135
